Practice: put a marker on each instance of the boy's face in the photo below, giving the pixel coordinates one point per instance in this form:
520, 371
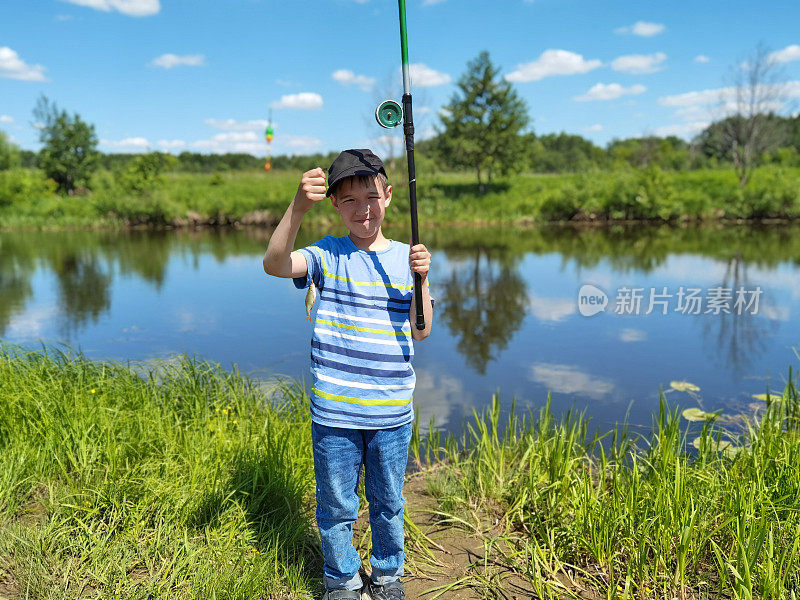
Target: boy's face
362, 207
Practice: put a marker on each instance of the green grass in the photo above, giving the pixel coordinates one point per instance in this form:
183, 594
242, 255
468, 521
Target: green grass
174, 480
177, 479
255, 197
628, 517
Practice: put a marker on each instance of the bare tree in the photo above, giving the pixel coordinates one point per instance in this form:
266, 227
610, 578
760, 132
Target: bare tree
758, 91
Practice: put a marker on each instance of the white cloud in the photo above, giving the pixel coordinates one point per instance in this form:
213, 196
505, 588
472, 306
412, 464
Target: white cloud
133, 8
234, 125
6, 119
13, 67
686, 130
609, 91
639, 64
720, 96
131, 144
169, 61
253, 143
236, 136
233, 141
553, 62
788, 54
569, 379
427, 133
423, 76
642, 28
346, 77
386, 139
301, 143
702, 58
301, 101
595, 127
170, 144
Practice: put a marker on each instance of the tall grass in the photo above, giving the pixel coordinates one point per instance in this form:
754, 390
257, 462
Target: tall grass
182, 480
174, 480
625, 517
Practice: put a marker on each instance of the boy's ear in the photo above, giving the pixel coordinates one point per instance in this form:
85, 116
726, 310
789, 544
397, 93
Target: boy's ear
388, 195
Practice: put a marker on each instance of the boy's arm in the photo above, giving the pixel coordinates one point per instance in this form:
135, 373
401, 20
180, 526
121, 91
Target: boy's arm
279, 260
419, 259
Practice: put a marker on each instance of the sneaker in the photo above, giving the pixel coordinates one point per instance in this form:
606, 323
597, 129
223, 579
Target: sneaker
393, 590
341, 595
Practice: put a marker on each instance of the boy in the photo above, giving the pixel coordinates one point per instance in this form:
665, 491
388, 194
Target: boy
361, 353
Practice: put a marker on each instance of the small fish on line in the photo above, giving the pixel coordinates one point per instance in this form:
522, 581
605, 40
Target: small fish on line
311, 296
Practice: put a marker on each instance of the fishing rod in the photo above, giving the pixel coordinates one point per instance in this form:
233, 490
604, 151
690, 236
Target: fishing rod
389, 113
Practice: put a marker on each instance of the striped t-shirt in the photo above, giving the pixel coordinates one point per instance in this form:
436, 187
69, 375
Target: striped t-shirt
361, 348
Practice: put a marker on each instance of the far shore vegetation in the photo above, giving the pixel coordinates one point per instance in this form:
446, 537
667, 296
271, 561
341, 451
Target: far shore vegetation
179, 199
175, 478
484, 164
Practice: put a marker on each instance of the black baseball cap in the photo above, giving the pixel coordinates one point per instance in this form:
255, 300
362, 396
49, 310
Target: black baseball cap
353, 162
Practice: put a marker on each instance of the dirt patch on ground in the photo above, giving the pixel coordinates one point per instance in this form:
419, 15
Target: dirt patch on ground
454, 554
9, 589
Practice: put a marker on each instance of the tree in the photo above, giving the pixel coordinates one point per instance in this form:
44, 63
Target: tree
9, 153
483, 122
143, 174
69, 153
667, 152
562, 152
758, 91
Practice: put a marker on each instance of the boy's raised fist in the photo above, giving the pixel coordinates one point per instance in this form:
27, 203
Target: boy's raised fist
312, 187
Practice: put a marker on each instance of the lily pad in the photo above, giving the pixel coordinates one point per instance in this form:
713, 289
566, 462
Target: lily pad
684, 386
695, 414
763, 397
724, 446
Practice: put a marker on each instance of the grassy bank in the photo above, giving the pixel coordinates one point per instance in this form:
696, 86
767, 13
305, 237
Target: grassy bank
181, 480
180, 199
608, 516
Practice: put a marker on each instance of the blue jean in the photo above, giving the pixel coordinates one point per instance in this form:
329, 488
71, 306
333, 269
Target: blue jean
338, 456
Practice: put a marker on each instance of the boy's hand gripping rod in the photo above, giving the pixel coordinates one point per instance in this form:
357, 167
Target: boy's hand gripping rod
389, 115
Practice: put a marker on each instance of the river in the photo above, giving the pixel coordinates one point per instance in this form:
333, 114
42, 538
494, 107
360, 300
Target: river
511, 312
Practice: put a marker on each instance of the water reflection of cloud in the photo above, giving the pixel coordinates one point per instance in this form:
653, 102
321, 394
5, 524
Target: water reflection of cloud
569, 379
189, 322
31, 324
688, 270
550, 309
632, 335
695, 270
435, 396
775, 313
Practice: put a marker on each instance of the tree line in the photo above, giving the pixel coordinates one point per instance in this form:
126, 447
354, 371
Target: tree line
484, 129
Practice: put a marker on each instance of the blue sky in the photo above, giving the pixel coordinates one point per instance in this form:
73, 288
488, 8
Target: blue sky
201, 75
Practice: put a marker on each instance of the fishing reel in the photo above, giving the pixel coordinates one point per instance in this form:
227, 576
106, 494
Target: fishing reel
389, 114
